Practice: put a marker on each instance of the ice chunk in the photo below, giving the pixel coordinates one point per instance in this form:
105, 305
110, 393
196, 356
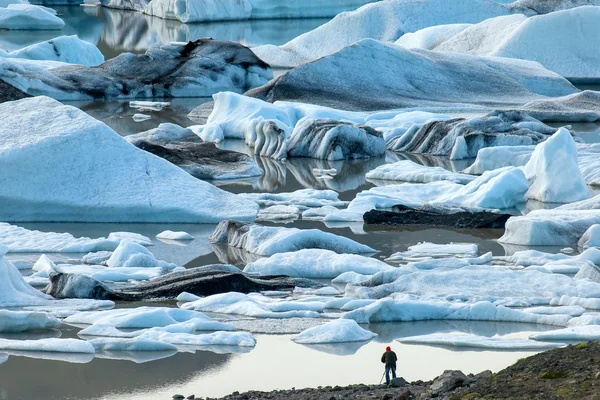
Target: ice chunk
300, 198
316, 264
67, 49
318, 213
480, 342
122, 183
274, 213
553, 171
20, 321
574, 311
338, 331
131, 237
427, 249
269, 240
350, 277
142, 317
132, 255
48, 345
29, 17
583, 333
170, 235
408, 171
591, 237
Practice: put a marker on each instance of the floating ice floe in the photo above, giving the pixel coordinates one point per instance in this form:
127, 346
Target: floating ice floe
462, 138
242, 304
118, 237
338, 331
389, 310
495, 190
132, 255
20, 321
474, 283
581, 333
574, 311
269, 240
67, 49
408, 171
557, 263
350, 277
302, 198
537, 38
141, 117
454, 80
48, 345
182, 147
428, 250
316, 264
171, 235
188, 11
318, 214
278, 213
29, 17
122, 183
149, 105
480, 342
174, 70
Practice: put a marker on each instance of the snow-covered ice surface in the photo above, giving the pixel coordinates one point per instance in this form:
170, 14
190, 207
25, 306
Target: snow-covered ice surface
173, 70
67, 49
480, 342
408, 171
499, 189
29, 17
315, 263
428, 250
122, 183
337, 331
269, 240
458, 79
219, 10
538, 38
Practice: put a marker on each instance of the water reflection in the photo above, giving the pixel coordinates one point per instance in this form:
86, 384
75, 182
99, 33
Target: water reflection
32, 335
339, 349
138, 357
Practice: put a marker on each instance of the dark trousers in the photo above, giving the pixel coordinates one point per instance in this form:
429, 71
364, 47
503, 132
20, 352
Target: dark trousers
388, 368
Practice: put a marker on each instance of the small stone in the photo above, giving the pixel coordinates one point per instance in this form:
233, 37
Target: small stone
236, 393
597, 375
447, 381
387, 396
178, 397
191, 397
398, 382
403, 394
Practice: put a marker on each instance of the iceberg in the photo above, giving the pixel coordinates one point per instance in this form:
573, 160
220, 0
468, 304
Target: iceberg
136, 318
590, 238
67, 49
460, 79
21, 321
428, 250
48, 345
194, 69
171, 235
538, 38
409, 171
339, 331
188, 11
29, 17
120, 183
269, 240
479, 342
315, 264
582, 333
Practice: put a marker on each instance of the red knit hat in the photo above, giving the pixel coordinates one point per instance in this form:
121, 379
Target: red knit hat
388, 348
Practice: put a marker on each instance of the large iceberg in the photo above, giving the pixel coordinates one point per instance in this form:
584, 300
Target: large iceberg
339, 331
67, 49
60, 164
195, 69
269, 240
315, 263
29, 17
226, 10
359, 77
560, 41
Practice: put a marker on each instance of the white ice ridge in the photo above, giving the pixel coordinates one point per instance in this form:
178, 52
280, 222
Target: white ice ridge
428, 250
389, 310
243, 117
188, 11
560, 41
491, 158
171, 235
20, 321
338, 331
48, 345
557, 263
315, 263
409, 171
494, 190
474, 283
582, 333
257, 306
480, 342
29, 17
269, 240
67, 49
302, 198
121, 183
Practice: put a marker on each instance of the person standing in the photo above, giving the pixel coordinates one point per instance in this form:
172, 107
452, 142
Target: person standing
389, 358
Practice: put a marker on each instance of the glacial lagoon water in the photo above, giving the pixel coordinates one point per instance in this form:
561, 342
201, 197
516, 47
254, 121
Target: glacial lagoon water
276, 362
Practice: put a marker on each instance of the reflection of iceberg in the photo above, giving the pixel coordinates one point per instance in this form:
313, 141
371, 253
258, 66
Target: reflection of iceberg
33, 335
350, 173
76, 358
337, 349
225, 349
233, 255
274, 176
137, 357
430, 161
387, 332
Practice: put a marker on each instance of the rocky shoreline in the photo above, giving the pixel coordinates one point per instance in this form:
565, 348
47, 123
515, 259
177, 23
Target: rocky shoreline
571, 372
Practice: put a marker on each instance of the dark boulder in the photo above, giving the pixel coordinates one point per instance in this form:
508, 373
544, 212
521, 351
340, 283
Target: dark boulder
10, 93
402, 215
